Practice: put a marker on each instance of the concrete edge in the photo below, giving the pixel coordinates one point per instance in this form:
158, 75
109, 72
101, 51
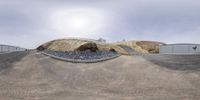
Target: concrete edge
80, 61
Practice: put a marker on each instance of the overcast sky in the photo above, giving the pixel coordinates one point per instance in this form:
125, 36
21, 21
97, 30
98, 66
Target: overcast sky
29, 23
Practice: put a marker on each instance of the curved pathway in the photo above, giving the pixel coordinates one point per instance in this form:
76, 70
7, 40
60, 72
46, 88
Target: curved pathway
39, 77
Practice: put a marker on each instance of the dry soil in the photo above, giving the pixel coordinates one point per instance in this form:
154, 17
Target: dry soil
33, 76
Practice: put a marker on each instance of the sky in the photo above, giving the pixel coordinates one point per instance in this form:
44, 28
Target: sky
29, 23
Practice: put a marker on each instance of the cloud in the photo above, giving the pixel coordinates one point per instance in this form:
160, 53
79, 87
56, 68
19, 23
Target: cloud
26, 22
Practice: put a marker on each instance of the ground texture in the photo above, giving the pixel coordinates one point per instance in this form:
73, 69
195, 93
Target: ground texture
83, 55
33, 76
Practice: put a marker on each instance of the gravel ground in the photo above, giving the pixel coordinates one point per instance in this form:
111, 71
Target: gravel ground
8, 58
39, 77
83, 55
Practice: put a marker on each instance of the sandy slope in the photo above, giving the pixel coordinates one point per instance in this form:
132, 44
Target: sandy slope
142, 46
73, 44
38, 77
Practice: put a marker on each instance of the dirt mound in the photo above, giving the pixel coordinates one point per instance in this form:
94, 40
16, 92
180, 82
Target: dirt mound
150, 46
131, 44
74, 44
80, 45
62, 45
142, 46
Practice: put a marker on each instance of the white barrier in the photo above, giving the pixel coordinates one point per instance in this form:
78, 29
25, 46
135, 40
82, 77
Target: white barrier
7, 49
180, 49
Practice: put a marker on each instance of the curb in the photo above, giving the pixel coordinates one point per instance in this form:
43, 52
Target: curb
79, 61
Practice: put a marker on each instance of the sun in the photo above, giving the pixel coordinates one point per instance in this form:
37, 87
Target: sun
78, 22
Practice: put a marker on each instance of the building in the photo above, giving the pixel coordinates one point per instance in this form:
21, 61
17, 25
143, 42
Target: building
7, 49
182, 49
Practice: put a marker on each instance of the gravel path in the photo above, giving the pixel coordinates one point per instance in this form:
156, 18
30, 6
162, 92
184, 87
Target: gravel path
83, 55
129, 50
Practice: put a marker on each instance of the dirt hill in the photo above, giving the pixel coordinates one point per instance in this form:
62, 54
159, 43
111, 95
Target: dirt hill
79, 44
73, 44
142, 46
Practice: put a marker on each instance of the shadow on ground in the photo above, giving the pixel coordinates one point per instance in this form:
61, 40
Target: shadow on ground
6, 60
176, 62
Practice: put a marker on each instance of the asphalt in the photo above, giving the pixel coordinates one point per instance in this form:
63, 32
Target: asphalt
176, 62
34, 76
7, 59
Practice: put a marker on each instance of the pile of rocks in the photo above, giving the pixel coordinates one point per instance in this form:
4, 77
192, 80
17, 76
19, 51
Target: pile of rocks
83, 55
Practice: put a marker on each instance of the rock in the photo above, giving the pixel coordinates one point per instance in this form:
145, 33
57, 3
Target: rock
88, 46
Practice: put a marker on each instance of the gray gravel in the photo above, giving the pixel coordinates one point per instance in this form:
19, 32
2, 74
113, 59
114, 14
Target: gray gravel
83, 55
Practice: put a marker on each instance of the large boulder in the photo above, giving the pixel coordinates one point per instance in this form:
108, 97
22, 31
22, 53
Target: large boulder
88, 46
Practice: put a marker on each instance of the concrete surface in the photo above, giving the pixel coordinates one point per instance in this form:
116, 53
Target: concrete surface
33, 76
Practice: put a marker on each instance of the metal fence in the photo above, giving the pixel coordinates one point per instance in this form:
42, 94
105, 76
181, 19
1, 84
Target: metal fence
6, 49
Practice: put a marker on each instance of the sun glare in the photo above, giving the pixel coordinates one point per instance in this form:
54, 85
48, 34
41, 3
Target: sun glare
75, 22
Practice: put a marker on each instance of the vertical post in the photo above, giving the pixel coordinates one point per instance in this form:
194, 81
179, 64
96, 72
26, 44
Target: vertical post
1, 49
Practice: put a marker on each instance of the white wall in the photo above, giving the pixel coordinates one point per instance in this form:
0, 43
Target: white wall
180, 49
5, 48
